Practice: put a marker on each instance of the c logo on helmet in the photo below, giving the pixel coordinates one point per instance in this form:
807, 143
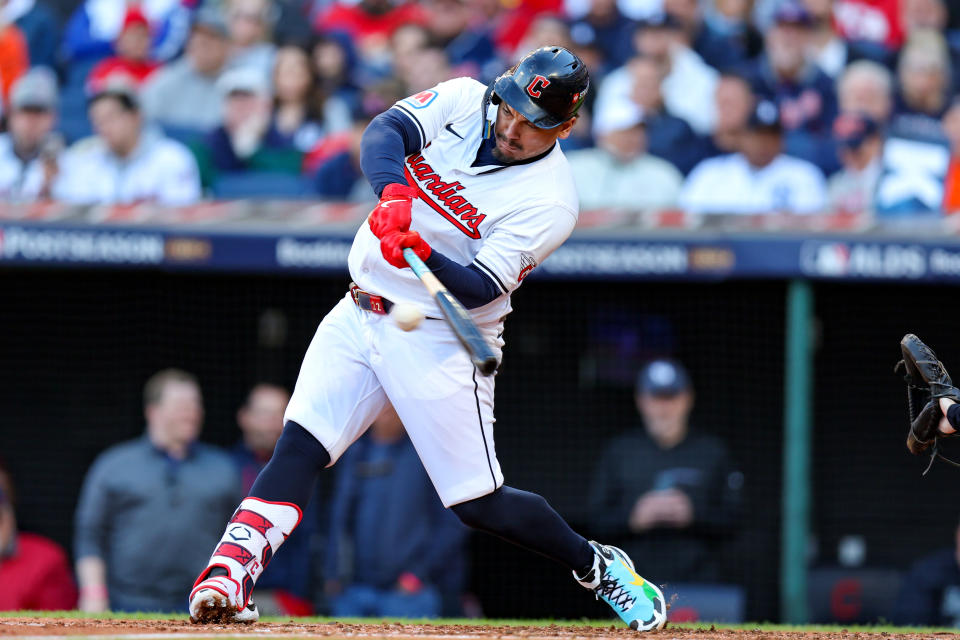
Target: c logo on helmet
536, 85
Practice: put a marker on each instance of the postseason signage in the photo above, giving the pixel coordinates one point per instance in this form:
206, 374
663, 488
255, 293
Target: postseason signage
654, 256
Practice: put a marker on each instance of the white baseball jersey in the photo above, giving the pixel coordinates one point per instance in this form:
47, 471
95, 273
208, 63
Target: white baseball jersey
728, 184
506, 220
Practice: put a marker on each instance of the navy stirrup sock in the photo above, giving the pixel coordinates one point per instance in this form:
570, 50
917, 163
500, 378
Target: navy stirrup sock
527, 520
289, 476
291, 472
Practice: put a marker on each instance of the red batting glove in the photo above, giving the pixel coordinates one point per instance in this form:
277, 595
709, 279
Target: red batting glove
393, 244
393, 211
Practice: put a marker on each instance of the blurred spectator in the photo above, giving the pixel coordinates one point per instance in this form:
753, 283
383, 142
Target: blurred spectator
141, 497
930, 591
730, 20
301, 113
35, 573
405, 43
184, 93
757, 179
605, 26
923, 72
132, 62
250, 23
247, 139
95, 24
285, 587
951, 184
827, 49
125, 162
866, 87
860, 142
715, 49
334, 164
509, 22
39, 26
688, 83
336, 167
545, 30
668, 136
429, 68
334, 59
30, 149
667, 494
803, 93
641, 82
876, 22
260, 420
734, 104
934, 15
370, 23
620, 173
14, 58
467, 43
917, 15
393, 549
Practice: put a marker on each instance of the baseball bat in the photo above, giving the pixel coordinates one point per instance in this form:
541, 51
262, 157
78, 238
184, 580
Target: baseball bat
456, 316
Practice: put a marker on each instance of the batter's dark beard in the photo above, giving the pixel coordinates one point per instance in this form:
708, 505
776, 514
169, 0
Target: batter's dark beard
499, 154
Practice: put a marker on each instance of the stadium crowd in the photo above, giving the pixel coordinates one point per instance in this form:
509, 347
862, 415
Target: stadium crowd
728, 106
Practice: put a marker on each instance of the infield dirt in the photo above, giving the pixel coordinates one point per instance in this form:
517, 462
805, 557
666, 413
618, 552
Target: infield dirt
35, 627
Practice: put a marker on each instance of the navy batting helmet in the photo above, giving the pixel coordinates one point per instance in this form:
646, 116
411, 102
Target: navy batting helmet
546, 87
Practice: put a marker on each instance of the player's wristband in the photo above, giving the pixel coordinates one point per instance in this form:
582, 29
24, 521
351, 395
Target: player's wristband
953, 416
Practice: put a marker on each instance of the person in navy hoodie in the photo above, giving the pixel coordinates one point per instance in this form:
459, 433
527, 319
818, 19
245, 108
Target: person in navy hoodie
393, 550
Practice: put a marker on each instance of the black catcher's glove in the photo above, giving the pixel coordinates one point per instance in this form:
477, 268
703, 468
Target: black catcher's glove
927, 381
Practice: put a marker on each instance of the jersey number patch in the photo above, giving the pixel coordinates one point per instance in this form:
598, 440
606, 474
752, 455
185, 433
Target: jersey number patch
537, 85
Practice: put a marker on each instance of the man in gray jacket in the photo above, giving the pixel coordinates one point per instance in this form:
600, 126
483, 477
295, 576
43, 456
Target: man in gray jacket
146, 503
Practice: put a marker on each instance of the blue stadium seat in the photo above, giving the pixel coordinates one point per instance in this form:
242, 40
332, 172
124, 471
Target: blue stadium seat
261, 185
73, 122
186, 135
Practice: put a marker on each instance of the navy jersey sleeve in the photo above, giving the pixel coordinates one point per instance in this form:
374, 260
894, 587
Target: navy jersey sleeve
471, 286
388, 139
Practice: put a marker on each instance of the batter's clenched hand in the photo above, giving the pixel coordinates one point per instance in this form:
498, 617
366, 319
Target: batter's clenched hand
393, 211
393, 244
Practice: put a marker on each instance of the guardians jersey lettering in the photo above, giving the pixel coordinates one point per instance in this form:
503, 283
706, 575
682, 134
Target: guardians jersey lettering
456, 208
502, 221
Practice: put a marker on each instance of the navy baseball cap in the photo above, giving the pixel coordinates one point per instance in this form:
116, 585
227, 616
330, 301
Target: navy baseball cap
766, 115
851, 130
792, 13
663, 377
660, 20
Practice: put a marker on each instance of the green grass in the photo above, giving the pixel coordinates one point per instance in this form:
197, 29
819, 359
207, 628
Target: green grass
765, 626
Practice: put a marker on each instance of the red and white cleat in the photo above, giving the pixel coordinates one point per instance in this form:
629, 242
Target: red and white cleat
219, 600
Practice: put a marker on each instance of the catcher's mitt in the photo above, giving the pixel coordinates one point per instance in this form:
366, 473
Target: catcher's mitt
927, 381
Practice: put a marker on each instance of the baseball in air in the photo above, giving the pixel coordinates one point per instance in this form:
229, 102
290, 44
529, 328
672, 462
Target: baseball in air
407, 316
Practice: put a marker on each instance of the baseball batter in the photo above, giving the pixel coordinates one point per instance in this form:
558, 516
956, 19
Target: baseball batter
471, 178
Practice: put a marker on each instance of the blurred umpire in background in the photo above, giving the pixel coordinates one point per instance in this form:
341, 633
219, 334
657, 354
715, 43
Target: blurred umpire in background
666, 494
145, 502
